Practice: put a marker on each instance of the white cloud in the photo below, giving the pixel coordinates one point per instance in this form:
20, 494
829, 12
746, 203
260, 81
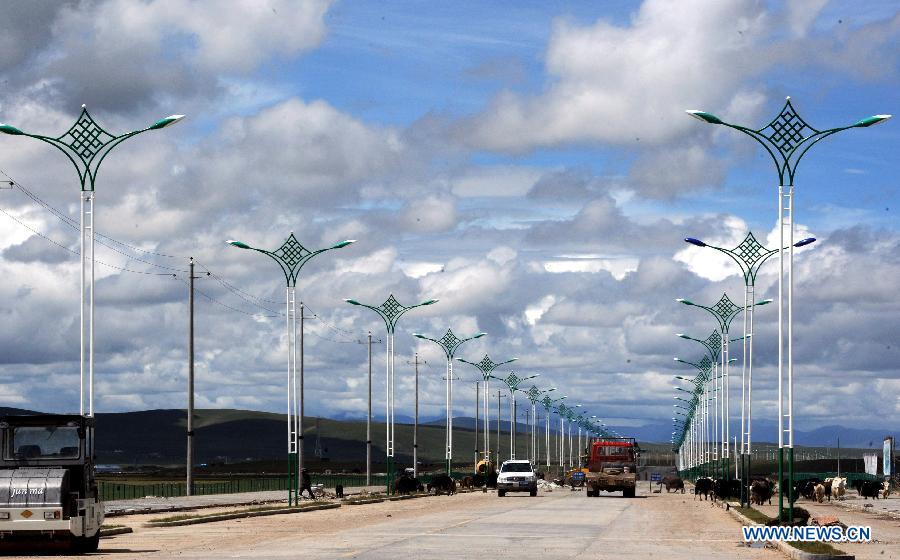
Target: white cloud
496, 181
431, 214
629, 85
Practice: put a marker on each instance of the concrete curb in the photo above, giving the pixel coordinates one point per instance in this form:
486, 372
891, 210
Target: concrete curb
862, 509
785, 548
115, 531
362, 502
167, 509
241, 515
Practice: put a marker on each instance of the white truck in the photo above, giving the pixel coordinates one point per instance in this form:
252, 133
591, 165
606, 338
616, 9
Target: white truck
48, 489
516, 475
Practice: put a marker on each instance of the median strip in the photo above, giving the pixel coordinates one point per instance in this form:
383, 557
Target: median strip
178, 520
796, 550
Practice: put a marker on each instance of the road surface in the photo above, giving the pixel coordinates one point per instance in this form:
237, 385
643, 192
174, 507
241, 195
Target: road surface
553, 525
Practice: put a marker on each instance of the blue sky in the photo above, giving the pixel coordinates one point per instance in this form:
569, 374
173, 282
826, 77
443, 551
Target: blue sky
530, 164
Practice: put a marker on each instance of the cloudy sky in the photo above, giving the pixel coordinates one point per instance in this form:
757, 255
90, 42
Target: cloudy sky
528, 164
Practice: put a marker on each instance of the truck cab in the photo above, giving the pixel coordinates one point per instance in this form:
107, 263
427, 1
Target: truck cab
612, 466
48, 489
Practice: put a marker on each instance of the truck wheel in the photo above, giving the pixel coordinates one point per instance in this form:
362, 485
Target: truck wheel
86, 544
533, 492
593, 493
501, 493
628, 493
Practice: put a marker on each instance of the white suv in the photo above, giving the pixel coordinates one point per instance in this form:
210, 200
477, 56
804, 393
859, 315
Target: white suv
516, 475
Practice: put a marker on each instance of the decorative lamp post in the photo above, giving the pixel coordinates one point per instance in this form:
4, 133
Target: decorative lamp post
561, 436
713, 345
534, 394
449, 343
390, 312
87, 144
724, 311
512, 382
486, 366
291, 256
787, 138
704, 367
548, 403
749, 255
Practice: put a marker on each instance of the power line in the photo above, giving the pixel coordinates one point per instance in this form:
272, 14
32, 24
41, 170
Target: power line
74, 252
225, 305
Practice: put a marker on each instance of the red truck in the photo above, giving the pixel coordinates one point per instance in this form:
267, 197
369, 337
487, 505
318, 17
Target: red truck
612, 466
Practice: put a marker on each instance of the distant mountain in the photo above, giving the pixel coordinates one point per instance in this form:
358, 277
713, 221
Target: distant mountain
233, 436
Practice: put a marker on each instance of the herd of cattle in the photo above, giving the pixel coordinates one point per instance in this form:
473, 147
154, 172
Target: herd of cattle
762, 489
442, 483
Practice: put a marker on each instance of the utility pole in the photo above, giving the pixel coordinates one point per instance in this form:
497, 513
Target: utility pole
369, 421
368, 342
839, 455
416, 424
189, 466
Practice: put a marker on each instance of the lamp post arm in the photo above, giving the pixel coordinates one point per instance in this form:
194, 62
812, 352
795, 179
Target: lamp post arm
387, 323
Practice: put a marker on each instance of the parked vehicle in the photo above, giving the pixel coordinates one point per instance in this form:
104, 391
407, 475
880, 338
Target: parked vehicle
48, 489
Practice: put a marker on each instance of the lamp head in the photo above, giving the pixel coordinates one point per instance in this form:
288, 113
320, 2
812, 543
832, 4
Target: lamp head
352, 301
684, 301
766, 301
238, 244
343, 243
479, 335
695, 241
807, 241
704, 116
10, 129
163, 123
429, 302
869, 121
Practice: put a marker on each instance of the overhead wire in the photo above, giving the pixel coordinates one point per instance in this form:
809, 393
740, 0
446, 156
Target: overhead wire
249, 298
75, 252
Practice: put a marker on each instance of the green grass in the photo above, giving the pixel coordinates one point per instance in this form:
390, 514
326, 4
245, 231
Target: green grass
815, 547
811, 547
754, 515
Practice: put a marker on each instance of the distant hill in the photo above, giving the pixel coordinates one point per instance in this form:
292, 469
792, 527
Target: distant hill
234, 436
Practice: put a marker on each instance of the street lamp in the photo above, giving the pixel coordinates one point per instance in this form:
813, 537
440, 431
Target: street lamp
724, 311
390, 312
512, 382
548, 403
749, 255
786, 138
449, 343
486, 366
86, 144
534, 394
291, 256
701, 427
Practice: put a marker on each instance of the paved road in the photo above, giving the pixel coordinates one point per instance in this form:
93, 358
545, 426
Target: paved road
560, 524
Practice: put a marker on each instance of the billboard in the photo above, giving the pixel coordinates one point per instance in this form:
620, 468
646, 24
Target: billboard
871, 462
887, 462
